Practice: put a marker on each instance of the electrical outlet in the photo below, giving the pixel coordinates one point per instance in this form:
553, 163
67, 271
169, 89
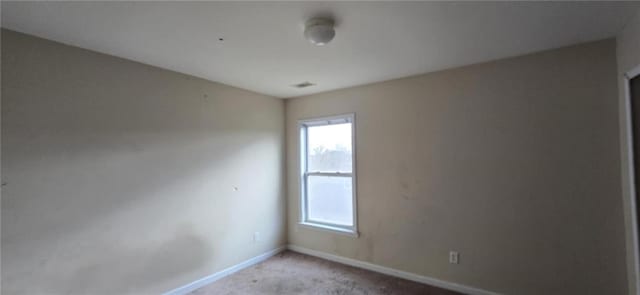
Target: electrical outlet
256, 237
454, 257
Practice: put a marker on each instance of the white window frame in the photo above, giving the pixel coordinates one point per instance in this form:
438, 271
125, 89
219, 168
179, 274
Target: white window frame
304, 174
628, 164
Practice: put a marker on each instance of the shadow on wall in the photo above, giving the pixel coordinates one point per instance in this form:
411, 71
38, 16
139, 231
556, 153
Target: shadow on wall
73, 189
103, 220
122, 270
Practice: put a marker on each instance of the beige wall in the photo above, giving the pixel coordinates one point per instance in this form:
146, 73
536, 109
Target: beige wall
628, 55
120, 176
513, 163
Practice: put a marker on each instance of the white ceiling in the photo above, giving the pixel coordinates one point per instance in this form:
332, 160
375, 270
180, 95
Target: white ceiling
264, 49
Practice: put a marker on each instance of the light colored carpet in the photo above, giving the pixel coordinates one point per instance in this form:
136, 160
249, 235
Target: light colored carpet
294, 273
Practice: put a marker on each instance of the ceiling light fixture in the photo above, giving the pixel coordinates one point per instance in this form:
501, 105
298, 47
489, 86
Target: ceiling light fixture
319, 31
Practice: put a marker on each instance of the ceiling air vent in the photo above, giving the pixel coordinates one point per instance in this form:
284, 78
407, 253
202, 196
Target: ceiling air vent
304, 84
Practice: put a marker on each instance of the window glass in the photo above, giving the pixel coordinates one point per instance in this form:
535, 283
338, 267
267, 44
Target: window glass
329, 148
330, 199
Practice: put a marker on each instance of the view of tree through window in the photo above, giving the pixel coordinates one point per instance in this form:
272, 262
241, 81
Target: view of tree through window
329, 148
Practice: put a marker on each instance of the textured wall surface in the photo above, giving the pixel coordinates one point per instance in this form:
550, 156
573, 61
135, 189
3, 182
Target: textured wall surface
513, 163
120, 176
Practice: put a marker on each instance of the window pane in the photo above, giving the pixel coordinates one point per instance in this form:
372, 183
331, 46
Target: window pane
329, 199
329, 148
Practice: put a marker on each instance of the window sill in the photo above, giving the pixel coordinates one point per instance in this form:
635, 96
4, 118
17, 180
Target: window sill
333, 229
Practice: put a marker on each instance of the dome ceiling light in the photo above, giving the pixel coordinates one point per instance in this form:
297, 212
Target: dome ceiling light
319, 31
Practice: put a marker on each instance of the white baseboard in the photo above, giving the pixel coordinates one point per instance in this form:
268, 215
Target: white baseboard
393, 272
223, 273
348, 261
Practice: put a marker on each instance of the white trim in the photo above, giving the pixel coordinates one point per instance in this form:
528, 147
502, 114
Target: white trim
225, 272
303, 124
393, 272
635, 72
632, 73
339, 230
339, 259
328, 120
332, 174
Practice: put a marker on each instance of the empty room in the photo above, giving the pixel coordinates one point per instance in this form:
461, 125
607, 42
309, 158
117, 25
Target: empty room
301, 147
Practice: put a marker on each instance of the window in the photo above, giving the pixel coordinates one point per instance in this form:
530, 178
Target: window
328, 196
